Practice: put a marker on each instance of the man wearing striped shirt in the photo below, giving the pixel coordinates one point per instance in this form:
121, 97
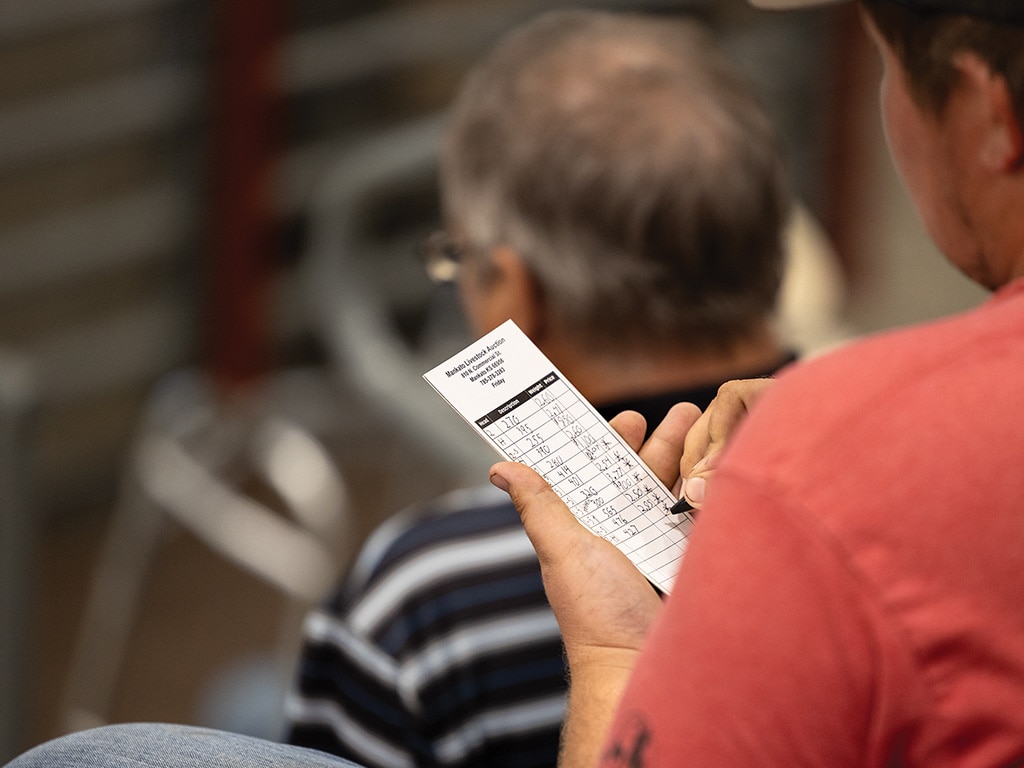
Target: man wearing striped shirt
611, 184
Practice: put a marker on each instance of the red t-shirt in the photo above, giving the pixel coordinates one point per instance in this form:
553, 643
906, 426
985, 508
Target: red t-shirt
854, 590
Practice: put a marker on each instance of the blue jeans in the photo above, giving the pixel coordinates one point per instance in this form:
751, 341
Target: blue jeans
169, 746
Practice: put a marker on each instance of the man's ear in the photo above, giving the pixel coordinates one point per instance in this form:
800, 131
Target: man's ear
1001, 143
516, 292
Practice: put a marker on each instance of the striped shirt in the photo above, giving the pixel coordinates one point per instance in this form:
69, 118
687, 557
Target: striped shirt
441, 648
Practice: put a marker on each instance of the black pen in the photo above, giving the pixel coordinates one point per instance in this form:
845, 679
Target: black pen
681, 506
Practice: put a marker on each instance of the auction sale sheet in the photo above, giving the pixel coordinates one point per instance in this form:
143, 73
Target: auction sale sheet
515, 398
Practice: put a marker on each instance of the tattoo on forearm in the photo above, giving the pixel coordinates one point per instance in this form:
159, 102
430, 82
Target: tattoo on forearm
630, 746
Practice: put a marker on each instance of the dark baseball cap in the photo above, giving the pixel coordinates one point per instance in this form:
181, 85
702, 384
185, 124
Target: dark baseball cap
1011, 11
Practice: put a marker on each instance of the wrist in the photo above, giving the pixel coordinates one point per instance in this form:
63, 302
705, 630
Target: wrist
599, 661
597, 679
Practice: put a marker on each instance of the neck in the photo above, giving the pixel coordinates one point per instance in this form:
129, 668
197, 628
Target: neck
616, 374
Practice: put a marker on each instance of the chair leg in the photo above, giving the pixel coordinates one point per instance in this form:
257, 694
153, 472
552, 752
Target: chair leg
131, 543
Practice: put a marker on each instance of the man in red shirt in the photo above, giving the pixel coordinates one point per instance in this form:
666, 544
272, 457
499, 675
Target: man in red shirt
851, 595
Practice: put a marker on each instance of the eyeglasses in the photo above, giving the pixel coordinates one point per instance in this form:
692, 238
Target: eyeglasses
441, 257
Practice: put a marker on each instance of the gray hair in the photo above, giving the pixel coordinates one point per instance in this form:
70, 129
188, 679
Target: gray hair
632, 168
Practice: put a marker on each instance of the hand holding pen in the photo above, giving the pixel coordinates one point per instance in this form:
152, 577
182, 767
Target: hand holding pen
709, 435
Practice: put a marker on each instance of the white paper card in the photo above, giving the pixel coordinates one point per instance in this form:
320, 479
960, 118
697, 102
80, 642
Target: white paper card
516, 399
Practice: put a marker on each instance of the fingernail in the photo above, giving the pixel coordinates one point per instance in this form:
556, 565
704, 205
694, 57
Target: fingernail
498, 481
693, 489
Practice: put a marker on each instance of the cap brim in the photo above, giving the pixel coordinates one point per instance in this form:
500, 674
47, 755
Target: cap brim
785, 5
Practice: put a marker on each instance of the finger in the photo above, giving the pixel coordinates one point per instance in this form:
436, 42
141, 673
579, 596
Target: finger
696, 443
664, 447
706, 441
698, 461
631, 427
732, 403
712, 431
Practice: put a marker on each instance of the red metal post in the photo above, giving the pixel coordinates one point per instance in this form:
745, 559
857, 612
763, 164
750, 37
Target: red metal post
244, 146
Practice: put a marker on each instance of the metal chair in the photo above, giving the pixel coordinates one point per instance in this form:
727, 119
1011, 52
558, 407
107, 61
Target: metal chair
190, 464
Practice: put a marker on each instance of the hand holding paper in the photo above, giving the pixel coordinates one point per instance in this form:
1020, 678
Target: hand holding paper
516, 399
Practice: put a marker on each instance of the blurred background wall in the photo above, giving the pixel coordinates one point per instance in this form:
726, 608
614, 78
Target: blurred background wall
172, 175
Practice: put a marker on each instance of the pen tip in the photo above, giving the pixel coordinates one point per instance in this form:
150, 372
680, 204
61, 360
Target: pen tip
681, 506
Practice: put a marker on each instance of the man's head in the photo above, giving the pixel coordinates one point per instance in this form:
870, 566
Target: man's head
628, 167
927, 34
953, 104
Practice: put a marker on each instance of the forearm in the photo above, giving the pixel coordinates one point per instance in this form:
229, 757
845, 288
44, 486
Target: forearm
597, 681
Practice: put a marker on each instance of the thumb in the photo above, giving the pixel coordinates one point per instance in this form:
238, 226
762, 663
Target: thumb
546, 518
694, 484
710, 434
